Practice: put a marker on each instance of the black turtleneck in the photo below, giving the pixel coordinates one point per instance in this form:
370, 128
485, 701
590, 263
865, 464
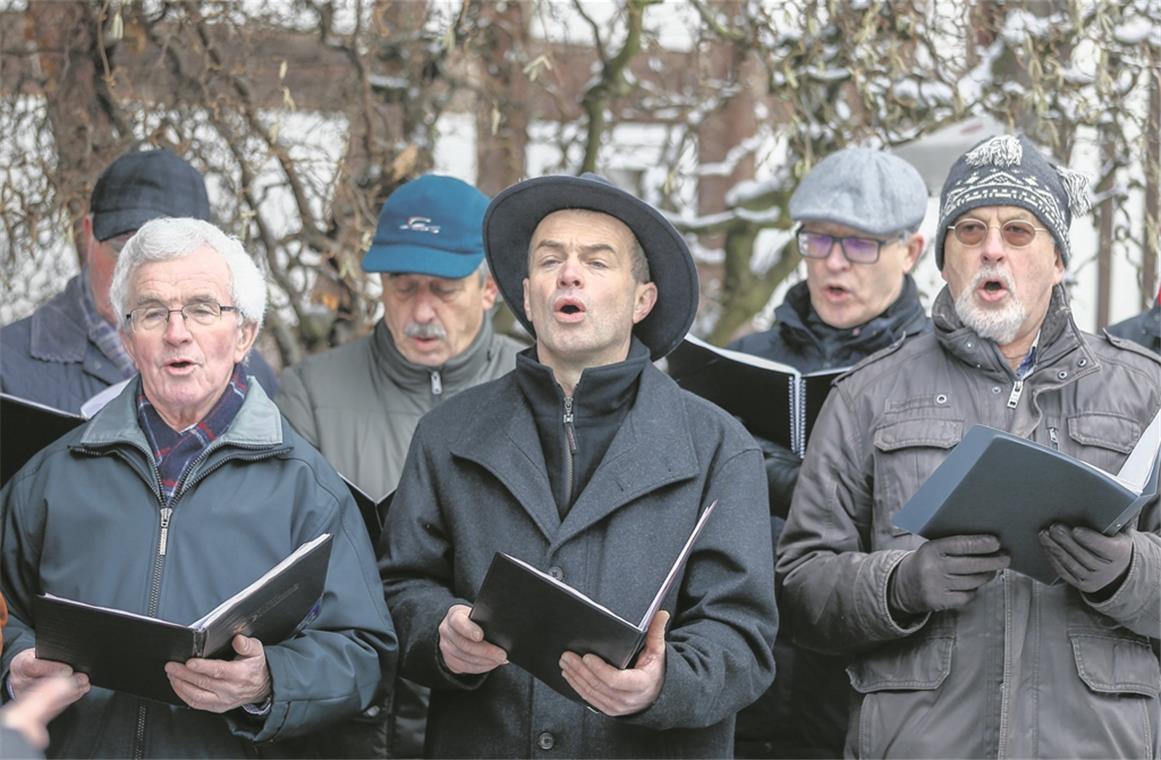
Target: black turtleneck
598, 405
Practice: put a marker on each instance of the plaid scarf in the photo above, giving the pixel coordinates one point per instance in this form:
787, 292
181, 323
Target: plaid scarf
103, 334
174, 451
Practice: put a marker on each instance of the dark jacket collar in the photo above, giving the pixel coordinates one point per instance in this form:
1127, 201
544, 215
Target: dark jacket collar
652, 448
600, 390
461, 370
801, 326
1059, 336
58, 327
595, 410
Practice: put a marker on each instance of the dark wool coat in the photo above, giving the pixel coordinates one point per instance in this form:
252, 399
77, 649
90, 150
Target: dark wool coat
475, 483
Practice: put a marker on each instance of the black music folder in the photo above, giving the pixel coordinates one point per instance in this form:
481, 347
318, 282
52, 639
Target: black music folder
536, 618
773, 400
127, 652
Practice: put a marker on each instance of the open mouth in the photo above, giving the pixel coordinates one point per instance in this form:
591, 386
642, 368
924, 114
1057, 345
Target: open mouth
569, 309
993, 289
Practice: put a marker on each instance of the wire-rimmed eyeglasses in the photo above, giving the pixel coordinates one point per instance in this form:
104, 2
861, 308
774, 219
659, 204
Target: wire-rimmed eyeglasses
1016, 233
155, 316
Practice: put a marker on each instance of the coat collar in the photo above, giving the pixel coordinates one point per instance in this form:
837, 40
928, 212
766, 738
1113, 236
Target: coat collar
459, 371
257, 424
1060, 338
801, 326
653, 448
58, 333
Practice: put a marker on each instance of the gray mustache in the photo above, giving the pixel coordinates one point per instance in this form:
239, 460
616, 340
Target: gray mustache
425, 331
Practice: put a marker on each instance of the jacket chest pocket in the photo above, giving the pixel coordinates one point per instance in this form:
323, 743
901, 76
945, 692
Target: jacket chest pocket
1116, 663
906, 452
1103, 440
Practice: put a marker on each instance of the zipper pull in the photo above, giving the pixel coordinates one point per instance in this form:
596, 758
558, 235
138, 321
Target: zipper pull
166, 513
436, 383
569, 433
1014, 396
1052, 437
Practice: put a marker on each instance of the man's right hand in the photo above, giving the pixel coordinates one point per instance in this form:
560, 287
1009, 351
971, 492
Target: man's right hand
39, 704
26, 671
461, 642
944, 574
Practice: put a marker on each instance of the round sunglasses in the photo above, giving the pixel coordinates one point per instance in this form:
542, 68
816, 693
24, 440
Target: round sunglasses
1016, 233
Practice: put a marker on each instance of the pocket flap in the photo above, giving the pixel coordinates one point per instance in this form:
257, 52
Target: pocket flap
1114, 664
919, 662
931, 432
1109, 431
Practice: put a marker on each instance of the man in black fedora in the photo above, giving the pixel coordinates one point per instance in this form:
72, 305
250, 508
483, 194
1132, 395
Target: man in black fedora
589, 463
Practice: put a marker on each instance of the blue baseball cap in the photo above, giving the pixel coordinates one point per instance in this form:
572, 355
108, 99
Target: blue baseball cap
432, 226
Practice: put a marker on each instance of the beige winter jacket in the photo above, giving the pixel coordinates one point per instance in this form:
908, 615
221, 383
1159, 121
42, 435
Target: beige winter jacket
1025, 669
359, 403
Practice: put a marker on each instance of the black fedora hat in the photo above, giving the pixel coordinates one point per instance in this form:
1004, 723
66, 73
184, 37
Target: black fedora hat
512, 217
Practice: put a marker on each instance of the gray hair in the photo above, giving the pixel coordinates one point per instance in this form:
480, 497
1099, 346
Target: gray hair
171, 238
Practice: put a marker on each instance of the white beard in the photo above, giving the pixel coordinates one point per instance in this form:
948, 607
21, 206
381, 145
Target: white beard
1000, 324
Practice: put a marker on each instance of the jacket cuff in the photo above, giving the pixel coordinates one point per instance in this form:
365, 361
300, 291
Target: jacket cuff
264, 726
1136, 604
465, 681
424, 662
668, 710
872, 609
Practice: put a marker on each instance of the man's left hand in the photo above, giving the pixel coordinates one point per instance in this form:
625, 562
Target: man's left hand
1086, 559
620, 692
222, 685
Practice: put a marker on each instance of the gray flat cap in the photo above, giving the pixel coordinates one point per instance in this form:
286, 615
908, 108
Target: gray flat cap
868, 190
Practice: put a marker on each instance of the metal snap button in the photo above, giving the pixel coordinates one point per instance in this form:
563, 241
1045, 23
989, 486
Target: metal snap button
545, 740
941, 398
556, 572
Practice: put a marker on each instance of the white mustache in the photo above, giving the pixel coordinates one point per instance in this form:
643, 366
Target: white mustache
993, 273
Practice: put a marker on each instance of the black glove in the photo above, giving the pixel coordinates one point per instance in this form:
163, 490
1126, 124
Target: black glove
944, 574
782, 466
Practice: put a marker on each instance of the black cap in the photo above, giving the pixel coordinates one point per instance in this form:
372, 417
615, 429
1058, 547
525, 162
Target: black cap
145, 185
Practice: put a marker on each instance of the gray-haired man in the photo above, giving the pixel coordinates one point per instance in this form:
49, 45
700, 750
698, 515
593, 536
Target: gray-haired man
952, 654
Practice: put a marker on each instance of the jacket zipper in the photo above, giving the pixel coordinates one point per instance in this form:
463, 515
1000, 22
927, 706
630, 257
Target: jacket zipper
1052, 437
436, 383
154, 598
1014, 396
159, 559
570, 436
